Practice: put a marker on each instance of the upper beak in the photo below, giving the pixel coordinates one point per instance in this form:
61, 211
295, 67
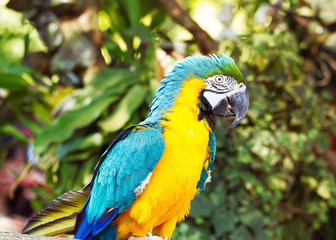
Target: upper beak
233, 103
239, 102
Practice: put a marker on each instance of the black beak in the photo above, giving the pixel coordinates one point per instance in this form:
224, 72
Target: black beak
234, 104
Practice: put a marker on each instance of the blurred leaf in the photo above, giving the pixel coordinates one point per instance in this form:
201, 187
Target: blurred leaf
95, 139
132, 9
13, 131
68, 174
109, 82
253, 219
323, 190
13, 82
141, 31
75, 157
41, 111
223, 222
241, 233
271, 177
63, 127
124, 110
200, 206
83, 171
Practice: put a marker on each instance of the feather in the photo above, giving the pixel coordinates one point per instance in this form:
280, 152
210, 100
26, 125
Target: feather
108, 216
120, 177
200, 67
205, 175
112, 189
60, 216
86, 230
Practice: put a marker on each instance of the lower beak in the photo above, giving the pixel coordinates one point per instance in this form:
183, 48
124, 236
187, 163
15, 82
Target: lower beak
234, 104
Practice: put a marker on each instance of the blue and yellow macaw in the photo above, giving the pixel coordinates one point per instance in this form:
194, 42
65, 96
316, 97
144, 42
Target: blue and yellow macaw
144, 182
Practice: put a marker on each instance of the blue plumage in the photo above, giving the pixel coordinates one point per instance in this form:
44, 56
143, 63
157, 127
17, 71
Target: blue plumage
124, 167
191, 67
109, 215
205, 172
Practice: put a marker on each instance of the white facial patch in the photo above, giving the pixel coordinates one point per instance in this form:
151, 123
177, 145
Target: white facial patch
213, 97
143, 185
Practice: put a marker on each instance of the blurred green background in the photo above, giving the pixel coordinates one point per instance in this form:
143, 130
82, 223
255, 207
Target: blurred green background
77, 72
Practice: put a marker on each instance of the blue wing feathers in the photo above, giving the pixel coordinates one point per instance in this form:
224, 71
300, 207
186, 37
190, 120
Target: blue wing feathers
121, 169
104, 220
212, 147
120, 137
83, 230
212, 152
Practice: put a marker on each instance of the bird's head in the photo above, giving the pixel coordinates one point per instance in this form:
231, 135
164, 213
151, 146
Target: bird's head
224, 94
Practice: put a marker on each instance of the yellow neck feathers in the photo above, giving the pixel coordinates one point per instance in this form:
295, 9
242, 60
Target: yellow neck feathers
186, 106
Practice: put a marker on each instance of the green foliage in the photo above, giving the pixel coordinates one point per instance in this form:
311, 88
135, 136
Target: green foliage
270, 179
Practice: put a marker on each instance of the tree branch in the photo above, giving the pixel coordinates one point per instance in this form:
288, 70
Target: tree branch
20, 236
179, 15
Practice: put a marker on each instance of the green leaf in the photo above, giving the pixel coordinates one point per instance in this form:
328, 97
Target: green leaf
223, 222
140, 30
31, 124
241, 233
63, 127
109, 82
253, 219
324, 190
201, 206
13, 131
80, 143
75, 157
13, 82
116, 14
19, 69
68, 173
41, 111
132, 8
124, 110
85, 169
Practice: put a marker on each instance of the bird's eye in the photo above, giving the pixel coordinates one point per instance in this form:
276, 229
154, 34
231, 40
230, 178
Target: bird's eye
219, 79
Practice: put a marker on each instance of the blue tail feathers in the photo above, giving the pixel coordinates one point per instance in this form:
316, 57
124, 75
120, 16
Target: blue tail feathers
88, 231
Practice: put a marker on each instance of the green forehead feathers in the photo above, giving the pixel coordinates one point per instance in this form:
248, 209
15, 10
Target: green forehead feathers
204, 67
226, 66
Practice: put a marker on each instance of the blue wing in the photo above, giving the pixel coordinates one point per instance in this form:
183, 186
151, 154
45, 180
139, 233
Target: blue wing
122, 168
210, 161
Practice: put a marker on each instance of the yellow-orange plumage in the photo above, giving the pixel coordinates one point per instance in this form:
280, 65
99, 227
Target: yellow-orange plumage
166, 199
144, 182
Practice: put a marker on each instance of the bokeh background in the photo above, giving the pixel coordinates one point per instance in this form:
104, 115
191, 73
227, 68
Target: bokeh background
74, 73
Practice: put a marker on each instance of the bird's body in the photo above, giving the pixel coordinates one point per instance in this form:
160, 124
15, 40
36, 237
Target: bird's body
146, 179
186, 141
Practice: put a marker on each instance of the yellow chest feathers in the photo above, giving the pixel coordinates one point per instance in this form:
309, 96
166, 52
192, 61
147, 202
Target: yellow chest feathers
173, 183
186, 137
186, 145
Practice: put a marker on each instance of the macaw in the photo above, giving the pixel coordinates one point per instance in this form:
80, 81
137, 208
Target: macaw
144, 182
